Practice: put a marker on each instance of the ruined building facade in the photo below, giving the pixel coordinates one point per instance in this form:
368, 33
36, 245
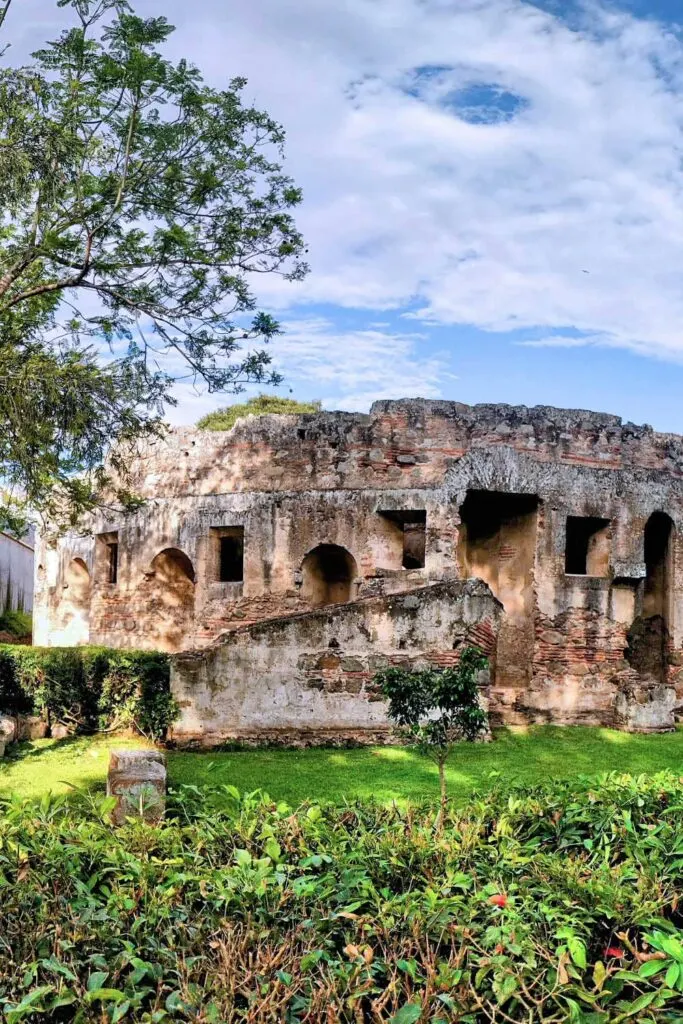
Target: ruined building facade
289, 558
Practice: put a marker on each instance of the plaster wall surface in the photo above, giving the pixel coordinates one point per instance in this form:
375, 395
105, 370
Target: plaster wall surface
16, 573
486, 491
309, 677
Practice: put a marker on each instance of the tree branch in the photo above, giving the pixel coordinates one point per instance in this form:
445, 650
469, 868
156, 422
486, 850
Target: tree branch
50, 287
3, 13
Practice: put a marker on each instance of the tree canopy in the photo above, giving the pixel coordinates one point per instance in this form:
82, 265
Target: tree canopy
138, 205
259, 405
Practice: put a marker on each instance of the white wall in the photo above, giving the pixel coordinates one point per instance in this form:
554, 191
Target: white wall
16, 573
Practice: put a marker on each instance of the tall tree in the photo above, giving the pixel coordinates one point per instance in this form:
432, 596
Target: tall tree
137, 205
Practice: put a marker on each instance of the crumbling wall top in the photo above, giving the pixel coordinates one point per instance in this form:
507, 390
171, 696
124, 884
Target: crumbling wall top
400, 443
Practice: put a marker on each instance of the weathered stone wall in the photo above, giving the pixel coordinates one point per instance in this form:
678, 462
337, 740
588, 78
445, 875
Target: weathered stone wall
309, 677
551, 507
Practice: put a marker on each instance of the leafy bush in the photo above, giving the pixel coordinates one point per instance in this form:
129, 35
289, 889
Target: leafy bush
89, 688
548, 905
259, 405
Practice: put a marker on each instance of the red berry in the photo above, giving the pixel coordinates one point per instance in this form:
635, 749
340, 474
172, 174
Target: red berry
499, 900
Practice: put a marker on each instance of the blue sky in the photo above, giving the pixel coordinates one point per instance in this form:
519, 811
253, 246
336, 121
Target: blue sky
493, 194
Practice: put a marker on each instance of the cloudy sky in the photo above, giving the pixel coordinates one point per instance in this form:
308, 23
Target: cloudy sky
493, 193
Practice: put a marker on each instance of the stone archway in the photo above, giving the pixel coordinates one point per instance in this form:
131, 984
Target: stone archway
171, 591
328, 573
76, 604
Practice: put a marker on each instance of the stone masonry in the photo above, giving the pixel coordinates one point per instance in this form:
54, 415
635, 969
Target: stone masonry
572, 519
309, 678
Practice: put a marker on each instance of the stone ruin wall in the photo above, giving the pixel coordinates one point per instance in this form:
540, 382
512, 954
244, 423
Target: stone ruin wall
310, 677
503, 492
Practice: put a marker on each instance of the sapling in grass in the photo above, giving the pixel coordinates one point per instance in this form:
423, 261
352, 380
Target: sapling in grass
435, 708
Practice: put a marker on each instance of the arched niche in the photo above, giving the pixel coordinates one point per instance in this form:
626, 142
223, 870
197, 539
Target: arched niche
173, 566
76, 603
328, 573
170, 606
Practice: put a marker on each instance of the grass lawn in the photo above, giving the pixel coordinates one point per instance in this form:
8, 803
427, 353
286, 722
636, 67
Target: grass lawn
385, 773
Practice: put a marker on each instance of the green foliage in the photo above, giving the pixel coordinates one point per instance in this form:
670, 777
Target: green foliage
137, 206
434, 708
259, 405
17, 623
89, 688
553, 904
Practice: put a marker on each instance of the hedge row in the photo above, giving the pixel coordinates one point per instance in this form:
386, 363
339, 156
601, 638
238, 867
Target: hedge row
88, 688
545, 906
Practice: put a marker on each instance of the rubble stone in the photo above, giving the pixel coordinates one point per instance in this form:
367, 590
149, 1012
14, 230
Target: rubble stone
8, 729
31, 727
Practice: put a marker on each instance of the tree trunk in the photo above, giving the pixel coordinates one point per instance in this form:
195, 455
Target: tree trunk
444, 798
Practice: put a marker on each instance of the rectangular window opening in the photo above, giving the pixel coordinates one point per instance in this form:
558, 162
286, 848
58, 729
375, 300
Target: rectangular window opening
112, 562
587, 549
107, 558
415, 541
229, 546
412, 524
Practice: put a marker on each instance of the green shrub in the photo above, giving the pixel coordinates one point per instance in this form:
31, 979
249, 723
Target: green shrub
259, 405
435, 708
13, 698
89, 688
133, 688
16, 623
548, 905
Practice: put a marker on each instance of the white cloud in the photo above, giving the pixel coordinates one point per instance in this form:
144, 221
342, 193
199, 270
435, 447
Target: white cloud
352, 369
495, 225
565, 341
347, 369
491, 225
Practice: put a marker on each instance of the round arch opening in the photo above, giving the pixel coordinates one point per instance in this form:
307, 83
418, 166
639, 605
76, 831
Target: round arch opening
328, 572
172, 563
658, 552
76, 603
171, 600
648, 637
77, 579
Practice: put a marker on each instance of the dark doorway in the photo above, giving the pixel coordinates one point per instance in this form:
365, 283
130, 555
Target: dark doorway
587, 546
648, 638
498, 544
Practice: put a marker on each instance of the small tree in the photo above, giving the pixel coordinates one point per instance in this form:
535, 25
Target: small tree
434, 708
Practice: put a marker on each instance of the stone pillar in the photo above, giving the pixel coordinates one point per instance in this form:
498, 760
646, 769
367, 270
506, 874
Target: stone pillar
137, 778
